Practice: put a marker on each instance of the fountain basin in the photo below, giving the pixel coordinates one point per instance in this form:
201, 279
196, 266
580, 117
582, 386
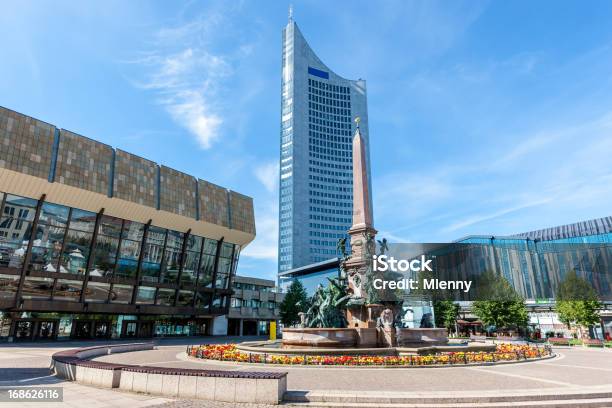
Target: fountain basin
353, 337
319, 338
276, 348
421, 337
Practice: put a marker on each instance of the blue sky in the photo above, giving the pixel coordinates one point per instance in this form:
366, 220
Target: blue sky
485, 117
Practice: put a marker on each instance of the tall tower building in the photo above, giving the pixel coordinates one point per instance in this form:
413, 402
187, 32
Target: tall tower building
318, 108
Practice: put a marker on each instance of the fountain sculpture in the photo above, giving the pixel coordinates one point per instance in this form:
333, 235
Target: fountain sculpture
349, 313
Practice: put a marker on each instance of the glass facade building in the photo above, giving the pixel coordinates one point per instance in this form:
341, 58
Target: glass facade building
311, 276
536, 262
318, 108
97, 236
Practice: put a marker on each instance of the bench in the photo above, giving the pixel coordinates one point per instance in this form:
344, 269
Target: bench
217, 385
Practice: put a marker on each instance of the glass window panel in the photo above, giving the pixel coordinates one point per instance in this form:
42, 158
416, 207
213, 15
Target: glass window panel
202, 300
54, 214
44, 259
165, 297
190, 267
97, 292
110, 226
121, 293
15, 231
126, 268
194, 243
20, 207
105, 255
206, 271
76, 251
82, 220
37, 288
226, 250
145, 296
133, 230
222, 281
130, 249
185, 298
150, 272
11, 254
68, 290
171, 266
49, 236
210, 246
175, 240
219, 301
153, 253
8, 286
224, 266
156, 236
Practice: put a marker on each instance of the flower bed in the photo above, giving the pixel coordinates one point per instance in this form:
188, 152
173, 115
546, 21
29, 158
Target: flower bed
504, 352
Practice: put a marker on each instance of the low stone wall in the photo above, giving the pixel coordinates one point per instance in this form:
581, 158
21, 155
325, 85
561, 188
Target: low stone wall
226, 386
217, 385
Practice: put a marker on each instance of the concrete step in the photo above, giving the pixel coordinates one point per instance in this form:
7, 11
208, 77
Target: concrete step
348, 398
587, 402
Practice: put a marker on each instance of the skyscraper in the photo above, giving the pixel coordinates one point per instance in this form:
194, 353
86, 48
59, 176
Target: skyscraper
318, 108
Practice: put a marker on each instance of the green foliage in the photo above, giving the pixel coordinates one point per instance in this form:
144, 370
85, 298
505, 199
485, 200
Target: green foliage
498, 303
296, 301
446, 312
577, 301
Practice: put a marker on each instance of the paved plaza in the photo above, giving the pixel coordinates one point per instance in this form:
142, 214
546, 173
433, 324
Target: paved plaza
573, 369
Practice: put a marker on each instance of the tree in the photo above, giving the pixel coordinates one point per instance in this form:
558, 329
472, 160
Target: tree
296, 301
577, 301
498, 303
446, 312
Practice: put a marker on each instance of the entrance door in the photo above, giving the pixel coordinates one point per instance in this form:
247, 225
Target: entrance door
46, 330
24, 330
128, 329
145, 329
249, 328
82, 329
102, 330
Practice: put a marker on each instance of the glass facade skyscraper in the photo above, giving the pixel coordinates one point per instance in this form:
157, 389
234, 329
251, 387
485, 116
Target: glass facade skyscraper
318, 108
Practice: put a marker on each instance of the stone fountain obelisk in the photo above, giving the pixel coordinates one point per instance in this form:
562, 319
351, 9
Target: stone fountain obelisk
362, 235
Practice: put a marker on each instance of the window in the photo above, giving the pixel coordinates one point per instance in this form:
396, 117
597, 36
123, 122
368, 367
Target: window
68, 290
202, 300
172, 254
185, 298
104, 256
121, 293
165, 297
76, 251
37, 288
97, 292
146, 295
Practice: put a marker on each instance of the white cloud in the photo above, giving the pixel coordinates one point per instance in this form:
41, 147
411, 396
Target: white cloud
485, 217
188, 79
267, 174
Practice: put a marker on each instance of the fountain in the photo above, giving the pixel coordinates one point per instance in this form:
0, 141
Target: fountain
349, 313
